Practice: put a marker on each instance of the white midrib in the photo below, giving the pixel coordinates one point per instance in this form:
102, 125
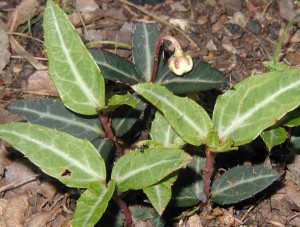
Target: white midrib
141, 169
241, 182
148, 57
118, 70
74, 162
66, 120
72, 64
188, 120
238, 121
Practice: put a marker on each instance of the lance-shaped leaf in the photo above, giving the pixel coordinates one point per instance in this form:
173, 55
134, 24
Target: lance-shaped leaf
187, 118
138, 170
125, 117
115, 68
202, 77
160, 194
91, 205
144, 37
240, 183
274, 136
188, 189
163, 133
255, 104
53, 114
71, 67
74, 162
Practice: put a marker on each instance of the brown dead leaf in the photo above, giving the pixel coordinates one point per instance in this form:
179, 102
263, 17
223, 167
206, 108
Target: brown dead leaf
16, 210
40, 83
23, 53
16, 173
24, 11
4, 53
42, 218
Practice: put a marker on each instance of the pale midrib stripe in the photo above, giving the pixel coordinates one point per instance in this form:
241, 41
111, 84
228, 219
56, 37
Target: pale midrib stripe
117, 70
158, 193
242, 182
239, 119
141, 169
72, 65
148, 57
190, 81
96, 205
64, 120
188, 120
74, 162
167, 138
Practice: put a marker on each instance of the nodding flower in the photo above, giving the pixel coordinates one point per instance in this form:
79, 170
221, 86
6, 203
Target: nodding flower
180, 62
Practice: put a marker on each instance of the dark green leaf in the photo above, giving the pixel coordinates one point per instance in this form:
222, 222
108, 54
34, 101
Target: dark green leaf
115, 68
291, 119
141, 214
125, 117
144, 37
240, 183
189, 185
202, 77
54, 114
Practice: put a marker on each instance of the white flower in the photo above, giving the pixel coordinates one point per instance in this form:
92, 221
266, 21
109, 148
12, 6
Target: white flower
180, 63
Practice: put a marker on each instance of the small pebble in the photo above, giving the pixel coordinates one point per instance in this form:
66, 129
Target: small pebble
254, 27
234, 29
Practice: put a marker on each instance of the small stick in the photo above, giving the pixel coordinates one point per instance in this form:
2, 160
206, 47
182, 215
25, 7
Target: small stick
161, 21
122, 205
18, 183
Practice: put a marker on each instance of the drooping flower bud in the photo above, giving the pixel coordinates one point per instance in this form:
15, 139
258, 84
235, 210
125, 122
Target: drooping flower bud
180, 63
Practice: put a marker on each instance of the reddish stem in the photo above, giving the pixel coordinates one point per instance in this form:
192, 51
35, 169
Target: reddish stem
124, 209
207, 174
109, 132
158, 43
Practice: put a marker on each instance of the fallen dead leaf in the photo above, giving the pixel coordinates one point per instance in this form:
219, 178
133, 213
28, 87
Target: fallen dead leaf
24, 12
23, 53
42, 218
40, 83
4, 54
15, 211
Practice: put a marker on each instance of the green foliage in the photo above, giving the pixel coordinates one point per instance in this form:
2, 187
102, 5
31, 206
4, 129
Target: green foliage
187, 118
255, 104
138, 170
240, 183
91, 205
79, 82
274, 136
77, 162
73, 147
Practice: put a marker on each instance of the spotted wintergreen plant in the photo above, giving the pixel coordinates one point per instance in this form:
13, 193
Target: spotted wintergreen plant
71, 139
239, 116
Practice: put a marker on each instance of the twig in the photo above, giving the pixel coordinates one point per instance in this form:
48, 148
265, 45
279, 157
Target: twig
161, 21
24, 35
18, 183
80, 17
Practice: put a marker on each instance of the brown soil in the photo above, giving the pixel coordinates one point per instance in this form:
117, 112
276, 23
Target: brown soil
233, 35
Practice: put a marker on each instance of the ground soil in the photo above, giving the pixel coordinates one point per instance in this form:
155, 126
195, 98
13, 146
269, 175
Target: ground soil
234, 36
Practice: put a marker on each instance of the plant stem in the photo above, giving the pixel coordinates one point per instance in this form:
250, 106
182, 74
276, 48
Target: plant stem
124, 209
109, 132
159, 41
207, 174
